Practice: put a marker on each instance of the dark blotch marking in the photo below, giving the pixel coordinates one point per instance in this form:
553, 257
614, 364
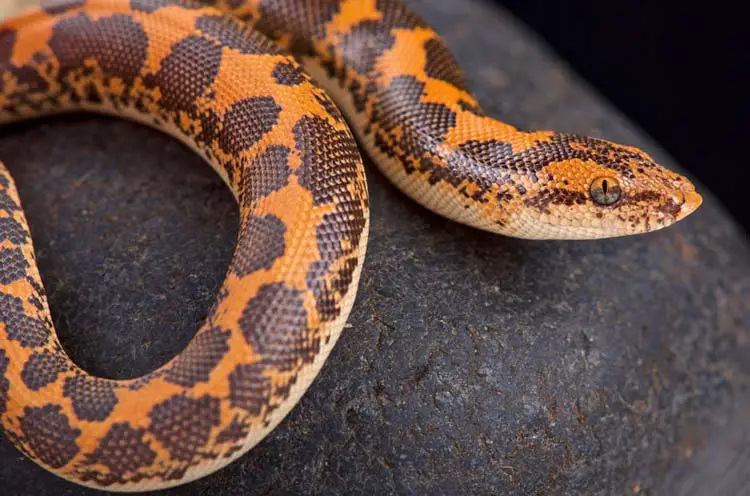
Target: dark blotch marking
469, 107
306, 21
11, 230
28, 331
330, 107
260, 244
93, 398
330, 158
42, 369
122, 450
236, 431
7, 43
210, 121
488, 152
246, 122
154, 5
363, 45
368, 40
442, 65
30, 77
288, 74
54, 7
410, 131
643, 196
400, 105
49, 434
397, 15
7, 203
234, 434
555, 196
231, 33
282, 337
572, 146
330, 171
187, 72
141, 382
183, 424
13, 265
249, 389
199, 358
268, 172
118, 44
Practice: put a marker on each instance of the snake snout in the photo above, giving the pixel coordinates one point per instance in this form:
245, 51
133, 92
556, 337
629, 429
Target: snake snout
691, 200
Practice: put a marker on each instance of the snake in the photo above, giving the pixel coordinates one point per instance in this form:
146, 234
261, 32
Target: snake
278, 97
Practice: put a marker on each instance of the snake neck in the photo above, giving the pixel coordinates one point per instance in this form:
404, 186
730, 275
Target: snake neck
407, 101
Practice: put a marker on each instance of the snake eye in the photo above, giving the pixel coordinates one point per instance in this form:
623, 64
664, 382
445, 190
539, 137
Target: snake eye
605, 190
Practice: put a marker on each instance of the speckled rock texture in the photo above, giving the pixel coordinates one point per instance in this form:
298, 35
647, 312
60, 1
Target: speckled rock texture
472, 364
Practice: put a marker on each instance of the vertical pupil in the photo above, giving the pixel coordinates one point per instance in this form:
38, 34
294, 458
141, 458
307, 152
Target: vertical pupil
604, 186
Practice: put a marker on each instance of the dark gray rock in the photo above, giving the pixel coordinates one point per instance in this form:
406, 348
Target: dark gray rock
473, 363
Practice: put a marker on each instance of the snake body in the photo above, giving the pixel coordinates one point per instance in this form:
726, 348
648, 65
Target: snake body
268, 124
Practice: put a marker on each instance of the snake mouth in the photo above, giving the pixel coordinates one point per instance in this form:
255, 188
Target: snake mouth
691, 201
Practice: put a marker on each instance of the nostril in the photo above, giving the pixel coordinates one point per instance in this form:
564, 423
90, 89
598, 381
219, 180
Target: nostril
678, 196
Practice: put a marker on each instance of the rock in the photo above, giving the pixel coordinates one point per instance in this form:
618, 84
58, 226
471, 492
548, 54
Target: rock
473, 363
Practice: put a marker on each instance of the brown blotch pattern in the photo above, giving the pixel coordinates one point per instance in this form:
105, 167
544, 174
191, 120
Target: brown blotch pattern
246, 122
183, 424
42, 369
118, 44
288, 74
149, 6
49, 434
281, 336
330, 159
187, 72
400, 105
397, 15
13, 265
7, 43
338, 235
268, 172
6, 202
249, 389
235, 432
199, 358
471, 107
123, 450
262, 239
442, 65
330, 107
231, 33
54, 7
10, 229
556, 196
363, 45
306, 21
93, 398
29, 332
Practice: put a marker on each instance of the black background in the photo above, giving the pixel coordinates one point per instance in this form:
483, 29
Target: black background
673, 69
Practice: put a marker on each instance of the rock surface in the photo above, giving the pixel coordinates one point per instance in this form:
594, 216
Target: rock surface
473, 363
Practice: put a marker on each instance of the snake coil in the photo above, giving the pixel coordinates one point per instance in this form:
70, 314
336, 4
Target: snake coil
267, 123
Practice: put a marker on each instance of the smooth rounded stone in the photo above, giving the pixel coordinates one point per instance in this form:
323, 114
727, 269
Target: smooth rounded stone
472, 363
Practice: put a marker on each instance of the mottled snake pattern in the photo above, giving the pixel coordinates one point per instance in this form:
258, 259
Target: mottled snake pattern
250, 85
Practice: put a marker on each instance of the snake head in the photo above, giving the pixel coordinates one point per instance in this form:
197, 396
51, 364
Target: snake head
594, 188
